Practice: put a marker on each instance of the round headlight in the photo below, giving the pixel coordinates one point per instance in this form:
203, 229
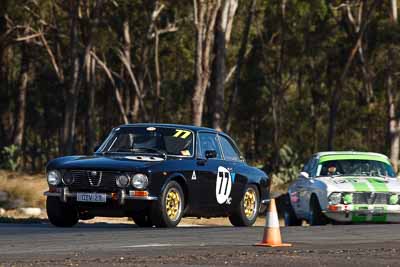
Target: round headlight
67, 178
140, 181
335, 198
53, 177
122, 181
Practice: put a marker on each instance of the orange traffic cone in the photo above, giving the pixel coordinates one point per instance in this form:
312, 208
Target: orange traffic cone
272, 234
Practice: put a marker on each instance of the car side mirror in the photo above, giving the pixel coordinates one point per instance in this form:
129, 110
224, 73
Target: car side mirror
211, 154
305, 174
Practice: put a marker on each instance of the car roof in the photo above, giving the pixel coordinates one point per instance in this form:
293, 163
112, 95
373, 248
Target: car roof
355, 153
182, 126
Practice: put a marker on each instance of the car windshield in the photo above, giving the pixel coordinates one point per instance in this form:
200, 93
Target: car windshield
149, 140
355, 167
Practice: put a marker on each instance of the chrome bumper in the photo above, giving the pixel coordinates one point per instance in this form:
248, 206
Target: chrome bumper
64, 194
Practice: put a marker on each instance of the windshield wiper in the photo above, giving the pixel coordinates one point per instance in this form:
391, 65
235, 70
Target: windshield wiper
137, 150
381, 176
151, 150
337, 175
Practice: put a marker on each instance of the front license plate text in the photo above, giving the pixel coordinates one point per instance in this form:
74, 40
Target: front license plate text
91, 197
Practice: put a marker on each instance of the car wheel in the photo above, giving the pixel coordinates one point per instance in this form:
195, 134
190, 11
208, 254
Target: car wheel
289, 216
142, 220
168, 210
61, 214
246, 213
316, 217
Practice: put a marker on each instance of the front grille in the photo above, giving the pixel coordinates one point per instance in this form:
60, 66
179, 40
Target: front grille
93, 180
370, 198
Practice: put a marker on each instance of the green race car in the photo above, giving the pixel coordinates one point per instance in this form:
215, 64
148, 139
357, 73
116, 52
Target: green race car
344, 187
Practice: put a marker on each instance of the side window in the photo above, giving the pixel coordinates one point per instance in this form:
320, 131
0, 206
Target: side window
209, 141
230, 153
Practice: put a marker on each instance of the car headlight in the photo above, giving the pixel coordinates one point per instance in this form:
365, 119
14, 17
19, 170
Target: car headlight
140, 181
335, 198
53, 177
67, 178
122, 181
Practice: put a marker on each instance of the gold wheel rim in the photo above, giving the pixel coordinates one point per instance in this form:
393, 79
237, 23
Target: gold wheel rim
250, 203
173, 204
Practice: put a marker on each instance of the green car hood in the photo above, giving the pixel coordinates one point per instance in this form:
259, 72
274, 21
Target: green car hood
360, 184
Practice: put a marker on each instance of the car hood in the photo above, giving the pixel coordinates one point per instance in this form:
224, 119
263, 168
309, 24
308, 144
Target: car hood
360, 184
122, 163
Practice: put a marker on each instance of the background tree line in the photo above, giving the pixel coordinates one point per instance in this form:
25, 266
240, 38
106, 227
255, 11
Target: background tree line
286, 78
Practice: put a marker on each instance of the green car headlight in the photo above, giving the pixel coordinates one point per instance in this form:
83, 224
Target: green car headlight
348, 198
394, 199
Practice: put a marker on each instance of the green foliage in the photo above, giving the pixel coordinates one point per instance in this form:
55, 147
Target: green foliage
289, 168
281, 115
11, 157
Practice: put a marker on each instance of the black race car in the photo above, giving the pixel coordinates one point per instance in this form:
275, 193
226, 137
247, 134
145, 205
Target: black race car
156, 174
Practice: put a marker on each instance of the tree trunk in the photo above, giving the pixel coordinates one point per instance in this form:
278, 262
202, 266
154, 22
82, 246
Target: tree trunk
89, 24
394, 123
3, 46
243, 46
73, 87
333, 109
91, 82
276, 130
337, 92
393, 13
21, 100
127, 45
205, 13
6, 129
157, 102
392, 100
222, 36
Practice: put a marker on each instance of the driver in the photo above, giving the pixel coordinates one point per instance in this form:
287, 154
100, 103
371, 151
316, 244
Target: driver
332, 170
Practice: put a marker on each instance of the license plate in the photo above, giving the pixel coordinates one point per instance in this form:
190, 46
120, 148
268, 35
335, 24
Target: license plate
91, 197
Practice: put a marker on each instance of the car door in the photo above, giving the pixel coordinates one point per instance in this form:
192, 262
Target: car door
238, 171
209, 171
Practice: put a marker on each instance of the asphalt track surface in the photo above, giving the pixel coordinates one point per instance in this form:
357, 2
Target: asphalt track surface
127, 245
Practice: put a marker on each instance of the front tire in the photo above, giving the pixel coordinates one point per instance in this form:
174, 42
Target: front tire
246, 213
168, 210
316, 217
61, 214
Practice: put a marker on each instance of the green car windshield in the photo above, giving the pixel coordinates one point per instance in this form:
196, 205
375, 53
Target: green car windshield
149, 140
355, 167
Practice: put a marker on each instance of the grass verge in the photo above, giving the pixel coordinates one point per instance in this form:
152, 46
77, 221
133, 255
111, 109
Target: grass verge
22, 190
